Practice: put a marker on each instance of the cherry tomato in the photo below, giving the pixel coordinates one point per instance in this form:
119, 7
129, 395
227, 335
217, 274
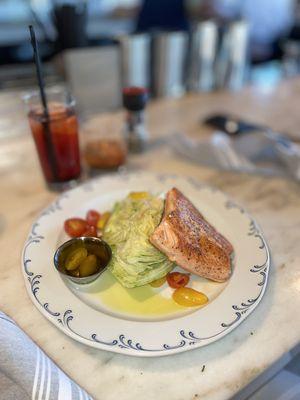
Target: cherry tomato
177, 279
92, 217
75, 227
91, 231
188, 297
103, 220
138, 195
158, 282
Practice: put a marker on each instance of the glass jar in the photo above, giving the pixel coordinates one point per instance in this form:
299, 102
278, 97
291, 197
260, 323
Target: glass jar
104, 145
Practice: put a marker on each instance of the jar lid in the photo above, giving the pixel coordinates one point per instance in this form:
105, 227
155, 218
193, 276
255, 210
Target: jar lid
135, 98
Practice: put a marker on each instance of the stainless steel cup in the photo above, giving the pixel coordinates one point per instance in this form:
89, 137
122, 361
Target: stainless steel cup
135, 60
101, 246
169, 60
231, 65
202, 56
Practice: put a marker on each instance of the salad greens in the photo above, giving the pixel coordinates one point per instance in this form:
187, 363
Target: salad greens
135, 261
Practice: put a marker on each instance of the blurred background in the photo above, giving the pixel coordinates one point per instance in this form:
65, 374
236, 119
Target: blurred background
171, 47
270, 30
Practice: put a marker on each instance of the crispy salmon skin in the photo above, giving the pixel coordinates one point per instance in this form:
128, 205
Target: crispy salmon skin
190, 241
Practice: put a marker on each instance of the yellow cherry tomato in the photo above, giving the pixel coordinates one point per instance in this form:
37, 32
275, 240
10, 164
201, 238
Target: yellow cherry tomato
188, 297
158, 282
103, 220
138, 195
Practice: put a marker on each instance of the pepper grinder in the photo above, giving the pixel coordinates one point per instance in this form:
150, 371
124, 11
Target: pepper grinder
135, 132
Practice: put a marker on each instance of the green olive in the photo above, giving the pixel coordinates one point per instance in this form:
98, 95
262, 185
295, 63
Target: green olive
75, 258
88, 266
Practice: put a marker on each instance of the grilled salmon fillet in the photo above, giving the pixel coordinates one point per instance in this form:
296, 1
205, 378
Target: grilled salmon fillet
190, 241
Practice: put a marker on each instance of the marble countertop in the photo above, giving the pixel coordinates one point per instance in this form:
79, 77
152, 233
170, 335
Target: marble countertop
219, 370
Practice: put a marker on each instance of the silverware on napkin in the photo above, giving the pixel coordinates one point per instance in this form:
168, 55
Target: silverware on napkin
216, 152
265, 142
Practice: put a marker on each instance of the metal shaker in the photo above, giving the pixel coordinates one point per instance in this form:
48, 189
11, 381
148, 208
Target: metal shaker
135, 132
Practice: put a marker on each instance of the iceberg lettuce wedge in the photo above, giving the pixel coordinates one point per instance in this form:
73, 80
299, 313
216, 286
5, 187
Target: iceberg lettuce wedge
135, 261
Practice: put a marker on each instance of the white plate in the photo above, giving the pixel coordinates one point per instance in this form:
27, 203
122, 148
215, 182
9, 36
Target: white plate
73, 311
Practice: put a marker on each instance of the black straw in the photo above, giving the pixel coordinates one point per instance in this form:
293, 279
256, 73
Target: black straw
47, 131
38, 66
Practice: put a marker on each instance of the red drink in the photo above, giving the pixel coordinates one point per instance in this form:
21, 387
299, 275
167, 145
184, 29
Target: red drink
56, 140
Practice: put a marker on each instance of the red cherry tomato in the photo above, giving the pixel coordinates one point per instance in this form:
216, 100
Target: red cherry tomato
92, 217
91, 231
75, 227
177, 279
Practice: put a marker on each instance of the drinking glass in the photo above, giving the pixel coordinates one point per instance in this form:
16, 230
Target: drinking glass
55, 134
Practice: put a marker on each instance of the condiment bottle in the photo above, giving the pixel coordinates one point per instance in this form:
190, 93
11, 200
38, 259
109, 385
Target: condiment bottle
135, 132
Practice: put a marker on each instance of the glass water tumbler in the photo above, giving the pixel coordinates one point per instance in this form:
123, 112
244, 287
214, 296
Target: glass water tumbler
55, 133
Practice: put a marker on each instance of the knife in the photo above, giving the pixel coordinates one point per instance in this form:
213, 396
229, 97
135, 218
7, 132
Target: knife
234, 126
231, 125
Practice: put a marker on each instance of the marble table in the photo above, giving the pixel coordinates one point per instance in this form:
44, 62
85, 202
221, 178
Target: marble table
215, 372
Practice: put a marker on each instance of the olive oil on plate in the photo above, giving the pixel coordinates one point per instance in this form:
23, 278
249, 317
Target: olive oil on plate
140, 301
107, 295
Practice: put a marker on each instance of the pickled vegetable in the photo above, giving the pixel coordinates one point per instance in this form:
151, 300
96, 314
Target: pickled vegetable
75, 258
188, 297
103, 220
158, 282
74, 272
88, 266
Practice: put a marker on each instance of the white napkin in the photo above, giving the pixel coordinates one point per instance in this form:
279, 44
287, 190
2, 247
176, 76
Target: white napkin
26, 373
252, 153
